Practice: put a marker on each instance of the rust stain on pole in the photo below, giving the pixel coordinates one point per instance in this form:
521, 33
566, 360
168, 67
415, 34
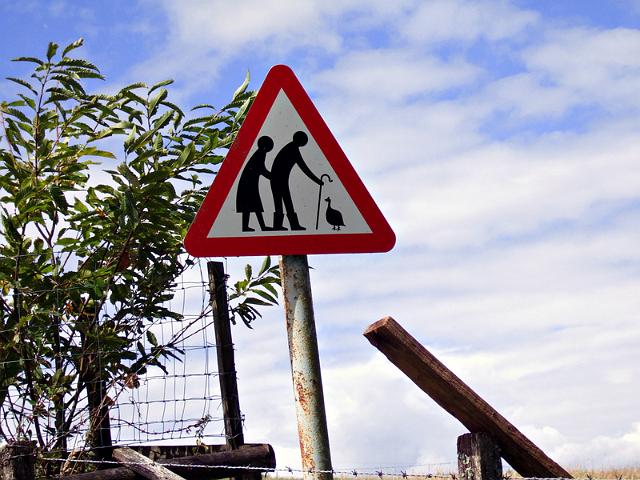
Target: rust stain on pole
305, 368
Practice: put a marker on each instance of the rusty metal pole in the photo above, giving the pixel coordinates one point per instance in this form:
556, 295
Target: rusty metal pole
305, 368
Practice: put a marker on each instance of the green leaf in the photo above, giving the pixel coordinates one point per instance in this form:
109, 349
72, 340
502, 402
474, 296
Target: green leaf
203, 105
58, 198
266, 263
51, 50
24, 83
78, 63
14, 112
129, 174
153, 103
157, 142
129, 140
129, 207
79, 206
197, 120
271, 288
10, 227
94, 152
121, 125
186, 155
243, 109
86, 73
266, 296
152, 338
163, 83
174, 107
133, 86
28, 101
69, 83
66, 241
72, 46
28, 59
256, 301
241, 89
162, 121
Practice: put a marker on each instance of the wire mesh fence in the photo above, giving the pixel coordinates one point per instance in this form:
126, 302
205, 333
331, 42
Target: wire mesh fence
156, 377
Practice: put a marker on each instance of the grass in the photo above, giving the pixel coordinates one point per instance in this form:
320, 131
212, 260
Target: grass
626, 473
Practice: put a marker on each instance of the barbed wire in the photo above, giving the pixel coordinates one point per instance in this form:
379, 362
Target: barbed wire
355, 472
283, 470
431, 469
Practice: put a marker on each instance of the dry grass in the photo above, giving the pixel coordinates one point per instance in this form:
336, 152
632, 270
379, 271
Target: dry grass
626, 473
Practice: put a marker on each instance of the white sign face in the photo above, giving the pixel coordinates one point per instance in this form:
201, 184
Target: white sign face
278, 191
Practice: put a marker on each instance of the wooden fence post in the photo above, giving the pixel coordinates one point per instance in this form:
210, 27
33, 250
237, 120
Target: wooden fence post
99, 422
226, 356
478, 457
17, 461
227, 363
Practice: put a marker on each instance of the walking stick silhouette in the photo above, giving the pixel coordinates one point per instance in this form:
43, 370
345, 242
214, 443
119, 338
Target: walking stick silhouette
320, 197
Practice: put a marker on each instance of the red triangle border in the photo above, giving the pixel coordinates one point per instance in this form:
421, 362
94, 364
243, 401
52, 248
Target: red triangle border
381, 238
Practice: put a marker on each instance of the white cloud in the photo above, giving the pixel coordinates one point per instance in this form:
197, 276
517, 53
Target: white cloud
214, 25
278, 25
391, 75
598, 452
601, 66
466, 21
525, 95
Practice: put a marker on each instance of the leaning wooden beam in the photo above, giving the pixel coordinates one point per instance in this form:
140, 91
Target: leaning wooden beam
459, 400
144, 467
257, 455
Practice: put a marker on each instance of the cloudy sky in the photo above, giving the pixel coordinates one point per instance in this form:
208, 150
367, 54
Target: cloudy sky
501, 139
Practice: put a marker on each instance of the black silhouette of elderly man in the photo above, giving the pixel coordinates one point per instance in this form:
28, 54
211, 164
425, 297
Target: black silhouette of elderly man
287, 158
248, 197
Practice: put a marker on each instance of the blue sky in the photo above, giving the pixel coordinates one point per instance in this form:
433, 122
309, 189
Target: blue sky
500, 139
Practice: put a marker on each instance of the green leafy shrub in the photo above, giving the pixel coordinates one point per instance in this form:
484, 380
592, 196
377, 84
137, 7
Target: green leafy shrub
77, 238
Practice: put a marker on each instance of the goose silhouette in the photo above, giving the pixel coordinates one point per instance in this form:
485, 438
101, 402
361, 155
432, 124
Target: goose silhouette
333, 216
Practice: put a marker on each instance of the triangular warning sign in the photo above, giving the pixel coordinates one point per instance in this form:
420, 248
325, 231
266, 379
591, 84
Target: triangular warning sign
286, 187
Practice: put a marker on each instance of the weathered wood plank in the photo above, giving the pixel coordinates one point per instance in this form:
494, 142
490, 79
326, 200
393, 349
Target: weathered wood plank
254, 455
141, 465
452, 394
478, 457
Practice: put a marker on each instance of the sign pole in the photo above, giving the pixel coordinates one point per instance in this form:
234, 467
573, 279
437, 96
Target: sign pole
305, 368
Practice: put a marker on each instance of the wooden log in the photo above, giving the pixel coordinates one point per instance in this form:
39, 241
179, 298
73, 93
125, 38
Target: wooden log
144, 467
17, 461
452, 394
478, 457
157, 452
255, 455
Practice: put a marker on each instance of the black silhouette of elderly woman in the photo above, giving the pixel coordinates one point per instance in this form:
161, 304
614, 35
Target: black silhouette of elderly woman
248, 197
287, 158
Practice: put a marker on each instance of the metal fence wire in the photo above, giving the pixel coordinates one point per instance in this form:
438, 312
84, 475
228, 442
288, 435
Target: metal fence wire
176, 399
